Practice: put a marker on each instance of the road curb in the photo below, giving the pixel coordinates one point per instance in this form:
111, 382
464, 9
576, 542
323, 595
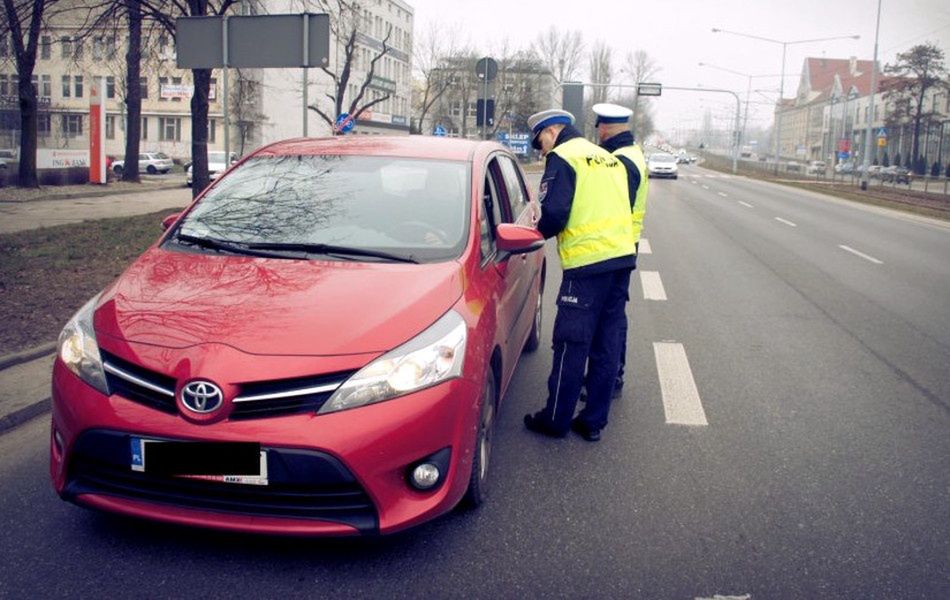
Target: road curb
27, 413
99, 193
17, 358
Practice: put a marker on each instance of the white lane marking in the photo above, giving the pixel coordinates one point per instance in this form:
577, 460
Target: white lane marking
694, 181
652, 285
645, 246
745, 204
705, 187
861, 254
681, 403
789, 223
723, 194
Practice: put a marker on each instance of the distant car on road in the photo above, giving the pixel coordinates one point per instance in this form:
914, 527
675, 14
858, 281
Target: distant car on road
216, 166
816, 167
895, 174
149, 162
662, 164
844, 168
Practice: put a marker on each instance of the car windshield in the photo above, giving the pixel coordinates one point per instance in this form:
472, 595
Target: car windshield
160, 155
411, 207
663, 158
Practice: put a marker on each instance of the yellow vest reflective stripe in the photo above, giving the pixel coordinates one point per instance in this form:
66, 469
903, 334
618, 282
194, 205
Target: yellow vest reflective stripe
635, 154
599, 227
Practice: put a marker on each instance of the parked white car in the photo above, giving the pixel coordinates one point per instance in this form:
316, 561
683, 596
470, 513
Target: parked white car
216, 166
149, 162
662, 164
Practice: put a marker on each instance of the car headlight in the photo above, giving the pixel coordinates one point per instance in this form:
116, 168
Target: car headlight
78, 348
435, 355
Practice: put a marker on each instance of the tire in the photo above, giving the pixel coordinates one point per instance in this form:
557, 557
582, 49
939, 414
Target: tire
165, 171
117, 170
151, 170
477, 490
534, 338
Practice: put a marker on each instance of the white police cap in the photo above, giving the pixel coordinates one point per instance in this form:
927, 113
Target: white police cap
538, 121
611, 113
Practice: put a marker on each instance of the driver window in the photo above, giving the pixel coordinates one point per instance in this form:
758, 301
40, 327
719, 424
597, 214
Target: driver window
487, 218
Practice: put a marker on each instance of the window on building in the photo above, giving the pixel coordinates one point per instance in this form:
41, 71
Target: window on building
98, 48
110, 47
211, 130
46, 86
67, 92
110, 86
35, 80
110, 127
4, 86
144, 135
43, 128
66, 47
169, 129
213, 90
77, 85
143, 87
77, 48
72, 125
4, 46
162, 82
46, 46
176, 81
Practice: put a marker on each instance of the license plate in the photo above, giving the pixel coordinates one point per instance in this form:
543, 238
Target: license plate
225, 462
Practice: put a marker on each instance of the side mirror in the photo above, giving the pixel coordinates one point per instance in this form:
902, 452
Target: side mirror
518, 239
169, 221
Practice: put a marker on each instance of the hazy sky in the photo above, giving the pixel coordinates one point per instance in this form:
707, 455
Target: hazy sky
677, 33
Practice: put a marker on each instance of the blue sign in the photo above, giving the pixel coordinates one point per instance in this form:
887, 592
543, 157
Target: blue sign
503, 137
882, 132
440, 131
844, 155
345, 123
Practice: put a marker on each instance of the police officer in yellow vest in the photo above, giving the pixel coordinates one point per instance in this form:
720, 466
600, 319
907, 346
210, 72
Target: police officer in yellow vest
585, 202
615, 137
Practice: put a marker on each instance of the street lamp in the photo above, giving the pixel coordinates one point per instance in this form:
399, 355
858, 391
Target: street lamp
785, 44
745, 120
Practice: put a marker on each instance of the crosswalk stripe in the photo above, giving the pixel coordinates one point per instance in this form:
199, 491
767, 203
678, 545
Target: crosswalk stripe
652, 285
681, 402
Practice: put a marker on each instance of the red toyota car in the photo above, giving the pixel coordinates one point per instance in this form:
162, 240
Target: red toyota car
318, 345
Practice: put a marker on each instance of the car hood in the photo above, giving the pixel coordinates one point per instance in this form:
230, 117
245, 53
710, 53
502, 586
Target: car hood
273, 306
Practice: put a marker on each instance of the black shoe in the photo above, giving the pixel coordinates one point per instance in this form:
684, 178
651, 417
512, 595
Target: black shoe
539, 424
581, 429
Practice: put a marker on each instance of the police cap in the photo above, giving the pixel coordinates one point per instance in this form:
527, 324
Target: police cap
538, 121
611, 113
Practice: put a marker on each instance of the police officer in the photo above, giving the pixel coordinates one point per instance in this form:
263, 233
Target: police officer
585, 203
615, 137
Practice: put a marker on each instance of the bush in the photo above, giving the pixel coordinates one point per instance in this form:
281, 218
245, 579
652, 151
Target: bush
920, 165
887, 160
897, 160
935, 169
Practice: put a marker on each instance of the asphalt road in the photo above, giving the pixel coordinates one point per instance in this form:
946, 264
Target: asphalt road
822, 469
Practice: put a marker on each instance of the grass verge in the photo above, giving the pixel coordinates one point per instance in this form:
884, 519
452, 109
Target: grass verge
46, 274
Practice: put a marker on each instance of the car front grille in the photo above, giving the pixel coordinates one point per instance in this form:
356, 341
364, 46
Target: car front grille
302, 484
255, 400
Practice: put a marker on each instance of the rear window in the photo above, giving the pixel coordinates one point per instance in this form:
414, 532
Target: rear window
663, 158
409, 206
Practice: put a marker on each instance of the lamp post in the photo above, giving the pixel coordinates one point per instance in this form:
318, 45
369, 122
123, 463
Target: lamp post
785, 44
748, 91
870, 117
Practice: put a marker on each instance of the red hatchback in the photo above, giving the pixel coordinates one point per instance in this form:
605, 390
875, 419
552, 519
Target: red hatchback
317, 346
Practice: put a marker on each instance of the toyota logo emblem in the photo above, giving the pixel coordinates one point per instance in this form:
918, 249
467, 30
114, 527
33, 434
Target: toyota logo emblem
201, 396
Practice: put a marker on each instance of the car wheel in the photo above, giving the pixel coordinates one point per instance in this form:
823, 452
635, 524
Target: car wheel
481, 458
165, 171
151, 170
534, 338
117, 170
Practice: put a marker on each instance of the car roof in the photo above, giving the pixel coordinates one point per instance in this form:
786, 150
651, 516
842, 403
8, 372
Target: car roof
413, 146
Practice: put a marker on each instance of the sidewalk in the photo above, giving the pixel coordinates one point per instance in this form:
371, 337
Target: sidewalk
25, 386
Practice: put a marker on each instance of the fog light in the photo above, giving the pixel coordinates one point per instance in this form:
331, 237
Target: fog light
425, 476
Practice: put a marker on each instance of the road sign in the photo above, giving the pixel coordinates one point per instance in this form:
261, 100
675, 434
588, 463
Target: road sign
649, 89
844, 145
844, 155
344, 123
486, 69
440, 131
882, 132
485, 114
881, 142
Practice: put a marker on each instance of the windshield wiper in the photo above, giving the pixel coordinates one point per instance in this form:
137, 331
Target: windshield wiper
227, 246
331, 249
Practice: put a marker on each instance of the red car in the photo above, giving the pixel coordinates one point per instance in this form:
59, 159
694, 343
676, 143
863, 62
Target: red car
317, 346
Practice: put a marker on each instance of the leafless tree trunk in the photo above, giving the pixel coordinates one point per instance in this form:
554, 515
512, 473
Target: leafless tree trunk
560, 51
600, 67
642, 68
434, 50
133, 92
27, 13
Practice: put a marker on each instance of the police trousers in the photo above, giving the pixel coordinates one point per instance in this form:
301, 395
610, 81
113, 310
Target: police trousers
587, 331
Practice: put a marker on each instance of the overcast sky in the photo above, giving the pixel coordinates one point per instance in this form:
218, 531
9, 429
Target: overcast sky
677, 34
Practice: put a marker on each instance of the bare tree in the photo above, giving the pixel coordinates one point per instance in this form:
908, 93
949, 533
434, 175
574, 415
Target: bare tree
642, 68
600, 70
165, 12
560, 51
916, 71
434, 49
345, 20
24, 18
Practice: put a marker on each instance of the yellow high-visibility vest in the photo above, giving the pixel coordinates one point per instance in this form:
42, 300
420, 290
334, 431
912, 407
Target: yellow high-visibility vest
635, 154
599, 227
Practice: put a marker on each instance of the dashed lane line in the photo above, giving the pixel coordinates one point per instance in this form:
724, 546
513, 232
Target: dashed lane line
705, 187
723, 194
652, 285
644, 247
746, 204
861, 254
785, 221
681, 402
